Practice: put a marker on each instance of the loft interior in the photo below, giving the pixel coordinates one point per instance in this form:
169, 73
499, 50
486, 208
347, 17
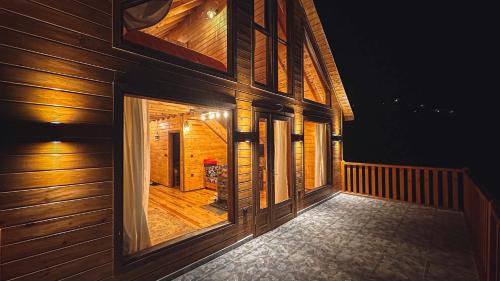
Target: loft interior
152, 134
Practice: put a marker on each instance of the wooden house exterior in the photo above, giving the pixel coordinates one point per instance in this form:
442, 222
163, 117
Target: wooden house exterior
65, 71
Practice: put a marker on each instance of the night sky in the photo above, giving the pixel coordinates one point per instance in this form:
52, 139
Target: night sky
420, 77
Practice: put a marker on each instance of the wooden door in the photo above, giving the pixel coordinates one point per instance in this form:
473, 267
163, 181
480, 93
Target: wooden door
273, 189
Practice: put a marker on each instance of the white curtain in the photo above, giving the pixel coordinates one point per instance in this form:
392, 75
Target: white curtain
136, 173
281, 140
320, 154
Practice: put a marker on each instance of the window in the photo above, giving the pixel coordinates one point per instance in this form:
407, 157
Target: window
282, 47
194, 31
261, 65
316, 161
265, 40
314, 85
175, 171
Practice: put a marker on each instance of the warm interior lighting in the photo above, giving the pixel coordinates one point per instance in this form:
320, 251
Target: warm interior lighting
55, 122
217, 114
211, 14
56, 141
226, 114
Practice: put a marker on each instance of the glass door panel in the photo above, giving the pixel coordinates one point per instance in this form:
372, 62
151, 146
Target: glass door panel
281, 161
263, 157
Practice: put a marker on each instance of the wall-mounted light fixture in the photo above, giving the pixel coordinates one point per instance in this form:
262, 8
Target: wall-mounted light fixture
246, 137
336, 138
297, 138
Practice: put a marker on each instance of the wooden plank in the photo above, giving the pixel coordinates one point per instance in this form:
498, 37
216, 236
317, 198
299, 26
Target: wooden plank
402, 184
444, 178
41, 96
387, 183
71, 268
367, 181
373, 179
455, 190
394, 185
23, 198
66, 147
38, 229
361, 182
418, 193
349, 185
29, 214
410, 185
355, 179
79, 10
95, 273
29, 180
103, 6
36, 61
435, 188
53, 81
380, 182
342, 176
47, 162
45, 14
32, 264
54, 242
427, 192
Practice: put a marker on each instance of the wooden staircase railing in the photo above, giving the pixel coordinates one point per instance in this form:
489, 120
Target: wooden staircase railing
441, 188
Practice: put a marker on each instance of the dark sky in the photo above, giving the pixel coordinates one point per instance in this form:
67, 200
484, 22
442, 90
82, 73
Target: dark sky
432, 53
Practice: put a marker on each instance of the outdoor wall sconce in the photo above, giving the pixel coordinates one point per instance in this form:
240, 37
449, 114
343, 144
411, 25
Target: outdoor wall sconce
336, 138
297, 138
246, 137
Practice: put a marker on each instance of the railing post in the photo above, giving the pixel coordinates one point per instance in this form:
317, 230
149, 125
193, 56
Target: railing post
342, 180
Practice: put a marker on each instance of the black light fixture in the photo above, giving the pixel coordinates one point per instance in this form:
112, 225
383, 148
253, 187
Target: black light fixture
336, 138
246, 137
297, 138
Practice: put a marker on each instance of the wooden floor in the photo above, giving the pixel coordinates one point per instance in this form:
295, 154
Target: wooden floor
173, 213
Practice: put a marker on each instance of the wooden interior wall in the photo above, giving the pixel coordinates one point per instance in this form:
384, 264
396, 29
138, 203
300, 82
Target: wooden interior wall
314, 88
210, 37
309, 153
244, 158
160, 159
198, 144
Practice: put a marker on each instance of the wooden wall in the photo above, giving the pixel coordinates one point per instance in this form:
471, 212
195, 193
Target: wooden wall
198, 144
57, 64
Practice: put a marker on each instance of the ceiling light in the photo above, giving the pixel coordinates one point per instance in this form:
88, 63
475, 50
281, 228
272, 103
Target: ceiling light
211, 14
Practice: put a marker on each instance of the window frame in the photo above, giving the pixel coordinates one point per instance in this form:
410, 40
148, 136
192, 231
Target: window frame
122, 261
145, 52
271, 31
308, 39
329, 166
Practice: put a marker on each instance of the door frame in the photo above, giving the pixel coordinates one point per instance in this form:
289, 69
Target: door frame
274, 214
171, 158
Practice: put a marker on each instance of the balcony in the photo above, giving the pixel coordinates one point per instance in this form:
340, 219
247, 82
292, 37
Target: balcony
389, 223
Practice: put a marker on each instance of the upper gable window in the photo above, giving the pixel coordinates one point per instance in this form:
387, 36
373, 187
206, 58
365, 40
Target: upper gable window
270, 49
192, 30
314, 85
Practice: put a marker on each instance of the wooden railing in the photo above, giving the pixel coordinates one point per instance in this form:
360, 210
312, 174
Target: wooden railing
439, 188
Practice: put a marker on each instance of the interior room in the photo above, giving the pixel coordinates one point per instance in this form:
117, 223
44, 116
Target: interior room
194, 30
185, 168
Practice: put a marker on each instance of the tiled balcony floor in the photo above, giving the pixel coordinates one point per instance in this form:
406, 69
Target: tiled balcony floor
353, 238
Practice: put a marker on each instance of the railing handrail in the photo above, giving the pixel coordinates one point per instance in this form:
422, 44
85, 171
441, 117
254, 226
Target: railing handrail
402, 166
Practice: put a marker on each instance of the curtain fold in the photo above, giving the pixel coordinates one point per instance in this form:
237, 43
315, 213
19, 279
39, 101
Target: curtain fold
320, 154
136, 175
146, 14
281, 140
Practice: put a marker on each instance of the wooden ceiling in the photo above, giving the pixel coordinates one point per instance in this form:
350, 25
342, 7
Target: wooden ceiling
160, 110
178, 12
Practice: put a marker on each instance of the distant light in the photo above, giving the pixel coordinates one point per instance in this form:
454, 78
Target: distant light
247, 141
217, 114
437, 110
211, 14
396, 100
55, 122
226, 114
163, 125
422, 105
203, 117
56, 141
451, 111
211, 116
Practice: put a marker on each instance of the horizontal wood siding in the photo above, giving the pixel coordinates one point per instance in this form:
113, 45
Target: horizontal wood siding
57, 64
